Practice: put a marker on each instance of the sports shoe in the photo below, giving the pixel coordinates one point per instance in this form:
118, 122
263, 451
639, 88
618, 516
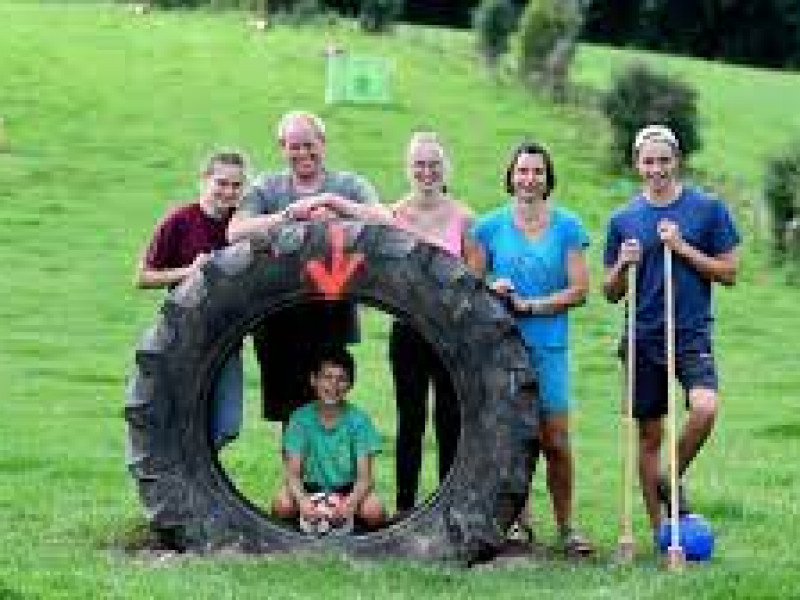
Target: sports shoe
664, 497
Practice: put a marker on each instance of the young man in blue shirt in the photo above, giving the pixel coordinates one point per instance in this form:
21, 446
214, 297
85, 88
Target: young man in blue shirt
700, 231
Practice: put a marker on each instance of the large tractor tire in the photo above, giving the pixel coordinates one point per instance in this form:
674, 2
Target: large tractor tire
184, 490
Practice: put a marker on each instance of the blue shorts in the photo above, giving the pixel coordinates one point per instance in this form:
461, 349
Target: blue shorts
552, 369
694, 368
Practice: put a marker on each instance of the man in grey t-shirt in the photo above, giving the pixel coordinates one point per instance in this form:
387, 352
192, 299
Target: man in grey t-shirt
286, 341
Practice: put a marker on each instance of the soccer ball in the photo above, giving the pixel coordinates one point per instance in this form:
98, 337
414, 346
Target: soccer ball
696, 537
327, 521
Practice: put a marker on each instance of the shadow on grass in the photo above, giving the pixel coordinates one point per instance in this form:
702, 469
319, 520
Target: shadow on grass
136, 538
726, 509
21, 464
782, 431
8, 593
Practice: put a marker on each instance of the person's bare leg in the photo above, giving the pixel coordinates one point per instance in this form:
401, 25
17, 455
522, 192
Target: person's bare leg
371, 511
651, 432
698, 426
554, 432
524, 519
283, 505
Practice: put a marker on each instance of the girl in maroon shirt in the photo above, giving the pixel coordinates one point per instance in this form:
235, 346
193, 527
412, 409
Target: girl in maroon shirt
181, 244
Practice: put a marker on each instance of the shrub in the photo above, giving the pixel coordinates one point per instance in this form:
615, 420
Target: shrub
168, 4
548, 31
292, 10
205, 4
782, 197
762, 32
493, 22
640, 96
377, 16
295, 11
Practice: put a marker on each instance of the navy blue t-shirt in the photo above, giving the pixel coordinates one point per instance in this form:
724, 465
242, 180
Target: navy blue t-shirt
704, 223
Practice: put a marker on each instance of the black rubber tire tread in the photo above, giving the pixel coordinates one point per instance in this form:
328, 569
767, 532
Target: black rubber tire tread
182, 487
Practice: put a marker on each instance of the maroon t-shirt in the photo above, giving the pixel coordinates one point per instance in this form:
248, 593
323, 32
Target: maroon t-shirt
183, 234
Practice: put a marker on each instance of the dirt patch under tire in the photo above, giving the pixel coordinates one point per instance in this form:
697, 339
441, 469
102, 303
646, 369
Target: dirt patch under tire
182, 487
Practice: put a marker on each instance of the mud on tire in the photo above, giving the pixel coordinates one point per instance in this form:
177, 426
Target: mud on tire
185, 492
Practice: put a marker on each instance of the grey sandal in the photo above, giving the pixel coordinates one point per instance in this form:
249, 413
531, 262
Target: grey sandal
575, 545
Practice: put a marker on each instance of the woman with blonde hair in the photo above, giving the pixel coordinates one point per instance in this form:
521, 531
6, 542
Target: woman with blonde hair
431, 213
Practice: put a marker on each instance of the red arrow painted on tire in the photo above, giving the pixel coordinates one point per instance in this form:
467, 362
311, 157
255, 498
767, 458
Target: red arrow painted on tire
331, 282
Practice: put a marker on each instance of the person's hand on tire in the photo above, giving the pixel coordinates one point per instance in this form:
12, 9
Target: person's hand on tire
502, 287
300, 210
200, 260
321, 213
526, 306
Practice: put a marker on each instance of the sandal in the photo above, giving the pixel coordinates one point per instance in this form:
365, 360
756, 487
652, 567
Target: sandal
575, 545
521, 532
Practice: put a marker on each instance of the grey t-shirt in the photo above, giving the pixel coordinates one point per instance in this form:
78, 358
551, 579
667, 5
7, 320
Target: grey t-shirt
274, 191
312, 324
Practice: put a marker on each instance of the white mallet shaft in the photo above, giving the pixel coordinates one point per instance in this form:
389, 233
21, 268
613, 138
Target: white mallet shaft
628, 444
675, 550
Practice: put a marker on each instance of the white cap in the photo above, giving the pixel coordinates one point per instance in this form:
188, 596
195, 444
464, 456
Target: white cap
655, 133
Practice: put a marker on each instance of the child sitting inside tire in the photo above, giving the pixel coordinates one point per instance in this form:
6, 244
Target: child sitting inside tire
328, 447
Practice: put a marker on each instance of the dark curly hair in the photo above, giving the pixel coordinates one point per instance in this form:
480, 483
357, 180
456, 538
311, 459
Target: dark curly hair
531, 148
335, 355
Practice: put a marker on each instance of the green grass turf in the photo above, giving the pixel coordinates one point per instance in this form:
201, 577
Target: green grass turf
107, 119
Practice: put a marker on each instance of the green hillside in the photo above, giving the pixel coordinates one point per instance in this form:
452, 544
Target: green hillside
108, 117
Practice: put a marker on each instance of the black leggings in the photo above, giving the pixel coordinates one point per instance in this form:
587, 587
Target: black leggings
414, 366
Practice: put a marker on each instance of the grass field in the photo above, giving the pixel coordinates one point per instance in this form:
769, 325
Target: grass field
107, 118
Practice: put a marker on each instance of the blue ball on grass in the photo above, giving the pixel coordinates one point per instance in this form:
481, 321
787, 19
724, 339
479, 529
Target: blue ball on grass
696, 537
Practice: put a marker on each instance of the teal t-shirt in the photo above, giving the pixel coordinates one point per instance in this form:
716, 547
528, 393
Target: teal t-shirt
330, 455
536, 267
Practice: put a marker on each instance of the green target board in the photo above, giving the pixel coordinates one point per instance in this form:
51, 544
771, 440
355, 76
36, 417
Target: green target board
357, 79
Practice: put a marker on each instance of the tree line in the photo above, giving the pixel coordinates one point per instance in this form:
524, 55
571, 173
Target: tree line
757, 32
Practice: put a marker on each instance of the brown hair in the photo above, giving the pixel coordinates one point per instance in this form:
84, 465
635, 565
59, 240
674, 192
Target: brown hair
531, 148
228, 157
